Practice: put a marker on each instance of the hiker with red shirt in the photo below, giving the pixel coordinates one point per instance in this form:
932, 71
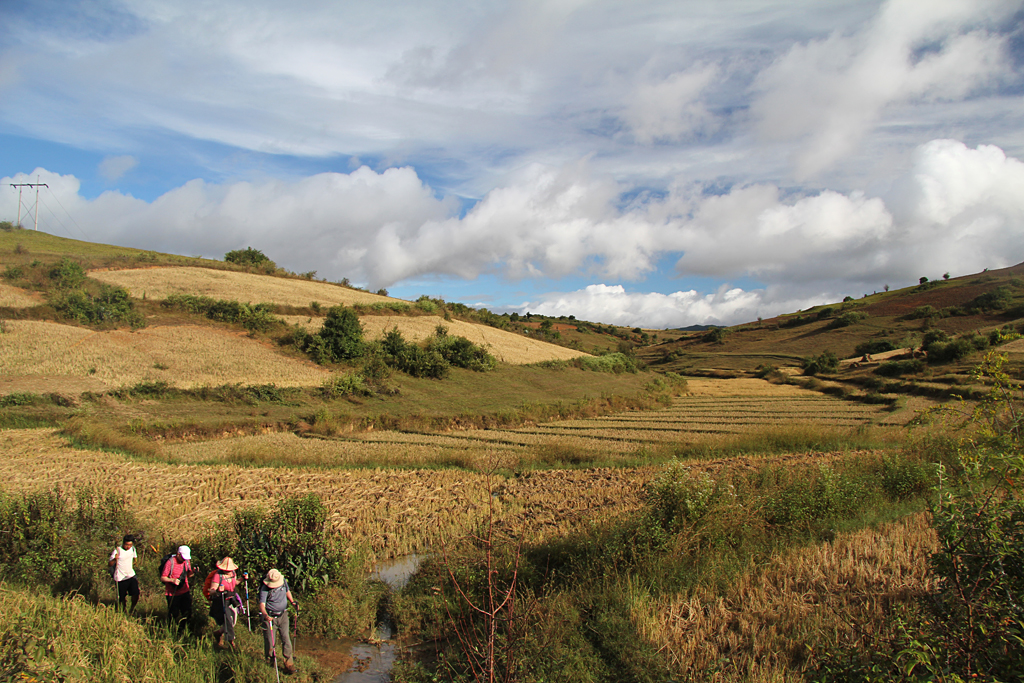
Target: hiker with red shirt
176, 575
224, 602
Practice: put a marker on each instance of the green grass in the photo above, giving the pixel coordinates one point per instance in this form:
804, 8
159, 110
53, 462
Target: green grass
69, 639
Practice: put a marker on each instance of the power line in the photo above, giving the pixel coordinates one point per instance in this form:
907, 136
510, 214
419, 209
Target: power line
84, 234
36, 185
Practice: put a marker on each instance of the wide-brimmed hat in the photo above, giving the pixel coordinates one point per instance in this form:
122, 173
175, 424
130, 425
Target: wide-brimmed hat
274, 579
227, 565
185, 552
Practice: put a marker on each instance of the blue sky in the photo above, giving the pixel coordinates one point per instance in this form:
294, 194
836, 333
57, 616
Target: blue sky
655, 163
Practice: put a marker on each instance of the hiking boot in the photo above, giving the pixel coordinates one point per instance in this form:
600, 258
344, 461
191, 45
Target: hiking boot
218, 638
289, 666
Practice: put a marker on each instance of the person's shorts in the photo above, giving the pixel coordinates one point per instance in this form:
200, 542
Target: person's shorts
126, 587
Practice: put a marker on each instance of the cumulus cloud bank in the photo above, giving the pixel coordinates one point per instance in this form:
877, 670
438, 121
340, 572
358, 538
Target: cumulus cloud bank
957, 209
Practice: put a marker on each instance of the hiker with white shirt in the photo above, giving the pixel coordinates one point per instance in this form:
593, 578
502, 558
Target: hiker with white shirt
122, 560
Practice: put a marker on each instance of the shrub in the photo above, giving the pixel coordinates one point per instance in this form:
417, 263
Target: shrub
826, 312
462, 353
874, 346
847, 319
294, 538
111, 306
995, 300
921, 312
67, 274
344, 385
250, 257
13, 272
716, 335
612, 362
827, 362
946, 352
342, 335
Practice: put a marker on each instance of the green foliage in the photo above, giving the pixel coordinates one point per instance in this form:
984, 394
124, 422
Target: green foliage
826, 312
13, 273
922, 312
254, 318
8, 226
47, 538
847, 319
344, 385
292, 537
826, 362
997, 299
67, 274
716, 335
341, 335
111, 306
462, 353
425, 304
250, 257
946, 352
873, 346
616, 363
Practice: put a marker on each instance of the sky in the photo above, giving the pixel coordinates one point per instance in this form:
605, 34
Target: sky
654, 163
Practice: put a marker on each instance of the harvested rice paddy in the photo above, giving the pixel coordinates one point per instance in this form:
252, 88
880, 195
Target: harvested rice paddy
15, 297
159, 283
507, 347
184, 356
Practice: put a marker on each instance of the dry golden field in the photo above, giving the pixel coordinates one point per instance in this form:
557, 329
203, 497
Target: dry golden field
158, 283
507, 347
15, 297
392, 511
398, 492
823, 594
184, 356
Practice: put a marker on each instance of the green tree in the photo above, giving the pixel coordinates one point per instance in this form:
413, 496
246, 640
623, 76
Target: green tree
250, 257
342, 334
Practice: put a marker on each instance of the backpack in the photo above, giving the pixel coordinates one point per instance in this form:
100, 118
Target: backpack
208, 585
163, 563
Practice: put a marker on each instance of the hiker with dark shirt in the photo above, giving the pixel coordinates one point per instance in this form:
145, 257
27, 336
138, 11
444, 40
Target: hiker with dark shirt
275, 595
176, 575
124, 573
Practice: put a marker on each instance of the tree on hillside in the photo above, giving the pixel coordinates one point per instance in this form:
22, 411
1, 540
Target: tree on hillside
342, 334
250, 257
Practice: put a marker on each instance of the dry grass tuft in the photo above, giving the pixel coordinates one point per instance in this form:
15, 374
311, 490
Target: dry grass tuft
159, 283
184, 356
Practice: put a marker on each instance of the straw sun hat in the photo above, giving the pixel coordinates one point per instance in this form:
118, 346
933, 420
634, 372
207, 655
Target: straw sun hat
227, 565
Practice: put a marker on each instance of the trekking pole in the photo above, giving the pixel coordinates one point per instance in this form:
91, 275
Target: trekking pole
248, 608
273, 647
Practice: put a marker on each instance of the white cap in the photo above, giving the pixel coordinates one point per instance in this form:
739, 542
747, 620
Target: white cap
184, 551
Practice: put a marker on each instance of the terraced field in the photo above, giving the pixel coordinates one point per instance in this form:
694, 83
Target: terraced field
400, 491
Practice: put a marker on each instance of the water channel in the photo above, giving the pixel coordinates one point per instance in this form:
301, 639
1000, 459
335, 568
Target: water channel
371, 659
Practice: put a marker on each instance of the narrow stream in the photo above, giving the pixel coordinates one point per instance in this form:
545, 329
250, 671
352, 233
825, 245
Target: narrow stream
372, 661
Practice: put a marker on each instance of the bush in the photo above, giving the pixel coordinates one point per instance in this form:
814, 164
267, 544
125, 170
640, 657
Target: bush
846, 319
341, 335
827, 362
462, 353
111, 306
947, 352
616, 363
67, 274
716, 335
13, 272
292, 537
995, 300
874, 346
250, 257
921, 312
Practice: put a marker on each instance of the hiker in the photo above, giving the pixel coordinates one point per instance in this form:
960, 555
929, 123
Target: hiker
225, 604
122, 560
275, 595
177, 572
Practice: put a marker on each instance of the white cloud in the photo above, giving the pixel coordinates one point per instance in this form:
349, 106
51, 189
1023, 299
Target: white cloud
113, 168
611, 304
826, 95
956, 209
672, 109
